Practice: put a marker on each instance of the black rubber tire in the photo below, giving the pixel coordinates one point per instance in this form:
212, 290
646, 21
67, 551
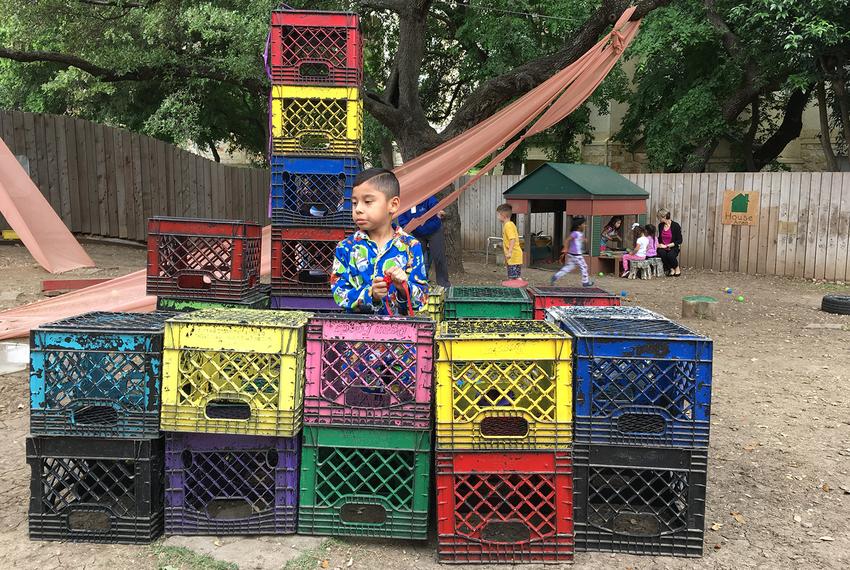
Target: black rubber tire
837, 304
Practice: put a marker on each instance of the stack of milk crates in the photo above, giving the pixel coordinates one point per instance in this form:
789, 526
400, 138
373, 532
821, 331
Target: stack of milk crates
504, 465
366, 460
315, 63
642, 405
196, 264
232, 408
95, 453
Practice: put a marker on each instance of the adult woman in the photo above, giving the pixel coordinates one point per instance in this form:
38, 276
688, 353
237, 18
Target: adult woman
611, 234
669, 243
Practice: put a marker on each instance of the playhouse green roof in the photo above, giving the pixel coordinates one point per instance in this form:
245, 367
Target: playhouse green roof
559, 181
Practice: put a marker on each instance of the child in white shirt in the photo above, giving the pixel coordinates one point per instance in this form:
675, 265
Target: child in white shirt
638, 253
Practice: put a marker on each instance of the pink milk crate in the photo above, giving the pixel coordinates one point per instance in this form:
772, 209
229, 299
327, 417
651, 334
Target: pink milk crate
366, 370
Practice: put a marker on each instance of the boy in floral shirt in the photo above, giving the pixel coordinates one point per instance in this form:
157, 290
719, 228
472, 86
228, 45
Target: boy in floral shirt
376, 250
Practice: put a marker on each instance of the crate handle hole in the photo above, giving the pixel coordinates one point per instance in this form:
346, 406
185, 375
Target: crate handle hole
631, 523
504, 426
92, 521
315, 141
228, 410
313, 276
641, 423
314, 209
95, 416
314, 70
203, 282
363, 513
506, 531
224, 509
365, 397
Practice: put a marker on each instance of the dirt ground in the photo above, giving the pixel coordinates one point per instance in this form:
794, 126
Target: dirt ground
779, 487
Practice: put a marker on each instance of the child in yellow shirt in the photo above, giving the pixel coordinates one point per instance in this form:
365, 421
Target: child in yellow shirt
510, 242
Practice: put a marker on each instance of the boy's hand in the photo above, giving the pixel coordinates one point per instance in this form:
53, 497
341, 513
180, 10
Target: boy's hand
379, 289
398, 275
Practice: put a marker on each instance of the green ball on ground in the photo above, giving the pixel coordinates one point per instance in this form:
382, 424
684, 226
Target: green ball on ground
740, 298
601, 274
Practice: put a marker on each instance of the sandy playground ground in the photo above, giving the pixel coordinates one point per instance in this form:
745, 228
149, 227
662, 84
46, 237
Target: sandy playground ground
779, 464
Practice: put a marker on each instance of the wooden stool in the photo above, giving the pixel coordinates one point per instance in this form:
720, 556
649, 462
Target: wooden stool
699, 307
641, 269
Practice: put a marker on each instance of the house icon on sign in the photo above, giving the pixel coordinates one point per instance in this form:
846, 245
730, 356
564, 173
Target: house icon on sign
740, 204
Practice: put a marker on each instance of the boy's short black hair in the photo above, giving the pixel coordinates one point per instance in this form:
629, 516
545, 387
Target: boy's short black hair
505, 209
382, 179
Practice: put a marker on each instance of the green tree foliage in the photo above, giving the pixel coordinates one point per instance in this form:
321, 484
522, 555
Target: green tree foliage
701, 64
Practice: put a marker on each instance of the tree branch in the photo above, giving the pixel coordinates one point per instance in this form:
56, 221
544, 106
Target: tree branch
143, 73
789, 129
495, 92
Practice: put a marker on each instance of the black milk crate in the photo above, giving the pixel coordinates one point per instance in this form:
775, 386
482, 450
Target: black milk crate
231, 484
98, 375
95, 490
639, 500
639, 380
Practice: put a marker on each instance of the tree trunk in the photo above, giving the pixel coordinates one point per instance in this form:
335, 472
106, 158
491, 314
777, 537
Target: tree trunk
788, 130
839, 87
750, 137
387, 159
825, 135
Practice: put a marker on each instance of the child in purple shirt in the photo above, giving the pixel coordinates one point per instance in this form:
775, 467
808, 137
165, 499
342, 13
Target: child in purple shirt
652, 248
575, 255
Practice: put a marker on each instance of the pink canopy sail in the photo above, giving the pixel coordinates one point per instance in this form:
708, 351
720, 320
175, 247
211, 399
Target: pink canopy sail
29, 213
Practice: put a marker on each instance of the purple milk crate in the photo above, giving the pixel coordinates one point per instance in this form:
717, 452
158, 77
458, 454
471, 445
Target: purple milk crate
314, 304
369, 371
231, 484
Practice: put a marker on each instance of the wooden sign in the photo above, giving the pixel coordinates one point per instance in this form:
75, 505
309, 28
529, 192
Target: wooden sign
740, 208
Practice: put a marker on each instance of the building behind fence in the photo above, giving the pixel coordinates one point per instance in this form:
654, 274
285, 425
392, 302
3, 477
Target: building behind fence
107, 181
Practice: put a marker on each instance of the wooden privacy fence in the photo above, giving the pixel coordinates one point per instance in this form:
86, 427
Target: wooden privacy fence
107, 181
803, 227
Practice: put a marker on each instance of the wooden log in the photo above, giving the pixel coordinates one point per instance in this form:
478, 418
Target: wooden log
699, 307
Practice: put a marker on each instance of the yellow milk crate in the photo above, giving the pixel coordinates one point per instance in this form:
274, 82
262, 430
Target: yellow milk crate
434, 309
236, 371
316, 120
503, 384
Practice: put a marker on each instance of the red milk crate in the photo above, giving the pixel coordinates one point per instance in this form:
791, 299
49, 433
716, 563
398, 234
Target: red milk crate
315, 48
545, 297
210, 260
369, 371
505, 507
302, 259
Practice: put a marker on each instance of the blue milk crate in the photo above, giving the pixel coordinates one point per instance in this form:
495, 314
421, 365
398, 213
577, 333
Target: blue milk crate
313, 191
639, 381
97, 375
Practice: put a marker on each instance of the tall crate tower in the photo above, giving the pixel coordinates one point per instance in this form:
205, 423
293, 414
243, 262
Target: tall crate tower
315, 64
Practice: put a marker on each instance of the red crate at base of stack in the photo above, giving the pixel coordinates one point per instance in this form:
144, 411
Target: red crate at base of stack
369, 371
302, 260
505, 507
315, 48
213, 260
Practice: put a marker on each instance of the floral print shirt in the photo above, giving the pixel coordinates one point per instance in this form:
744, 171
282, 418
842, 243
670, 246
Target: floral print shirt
358, 261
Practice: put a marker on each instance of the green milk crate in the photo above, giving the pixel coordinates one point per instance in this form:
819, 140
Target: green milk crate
365, 482
260, 301
475, 302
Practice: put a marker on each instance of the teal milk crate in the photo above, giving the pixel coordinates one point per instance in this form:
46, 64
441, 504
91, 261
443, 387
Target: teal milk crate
474, 302
365, 482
